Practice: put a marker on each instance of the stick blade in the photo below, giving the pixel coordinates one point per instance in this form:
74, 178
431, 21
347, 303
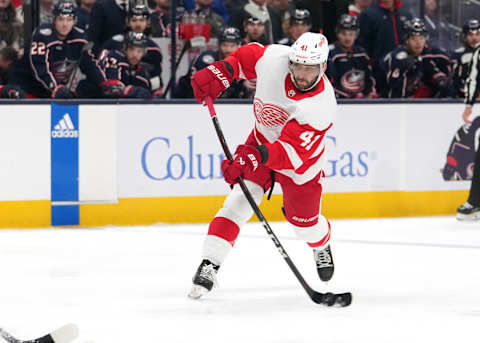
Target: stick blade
65, 334
332, 299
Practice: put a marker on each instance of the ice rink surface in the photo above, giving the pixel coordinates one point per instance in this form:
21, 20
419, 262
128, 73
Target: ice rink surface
412, 279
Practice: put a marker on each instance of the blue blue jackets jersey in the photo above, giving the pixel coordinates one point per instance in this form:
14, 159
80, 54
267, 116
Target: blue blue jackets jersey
350, 72
419, 77
50, 61
152, 61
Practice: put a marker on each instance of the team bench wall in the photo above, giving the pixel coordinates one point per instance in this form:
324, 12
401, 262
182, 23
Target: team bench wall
149, 163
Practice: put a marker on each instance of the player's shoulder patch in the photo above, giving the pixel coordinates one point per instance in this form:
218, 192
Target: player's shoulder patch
79, 30
401, 55
118, 38
460, 50
46, 31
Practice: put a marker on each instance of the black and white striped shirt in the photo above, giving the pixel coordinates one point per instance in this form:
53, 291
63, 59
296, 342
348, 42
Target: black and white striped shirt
472, 84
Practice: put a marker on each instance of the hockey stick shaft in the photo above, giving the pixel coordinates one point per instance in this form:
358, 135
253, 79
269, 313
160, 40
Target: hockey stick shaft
254, 206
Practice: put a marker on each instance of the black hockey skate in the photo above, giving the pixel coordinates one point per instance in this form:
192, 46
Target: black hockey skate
324, 260
204, 279
468, 211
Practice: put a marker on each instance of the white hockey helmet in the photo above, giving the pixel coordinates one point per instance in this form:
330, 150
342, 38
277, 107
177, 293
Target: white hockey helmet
309, 49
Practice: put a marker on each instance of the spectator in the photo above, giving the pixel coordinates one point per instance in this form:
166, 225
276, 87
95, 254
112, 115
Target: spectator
160, 19
124, 75
46, 70
264, 13
358, 7
254, 31
440, 34
229, 41
204, 13
11, 28
349, 67
300, 22
8, 57
416, 70
282, 8
108, 19
381, 28
46, 11
152, 59
325, 14
218, 7
84, 12
462, 57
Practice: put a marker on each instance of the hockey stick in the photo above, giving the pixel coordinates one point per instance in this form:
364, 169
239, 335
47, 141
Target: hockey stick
65, 334
329, 299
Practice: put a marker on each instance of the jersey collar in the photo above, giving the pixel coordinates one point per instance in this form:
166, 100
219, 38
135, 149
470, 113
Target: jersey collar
292, 92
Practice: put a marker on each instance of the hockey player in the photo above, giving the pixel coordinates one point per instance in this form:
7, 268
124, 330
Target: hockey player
287, 145
416, 70
470, 210
138, 18
123, 72
45, 71
229, 41
349, 66
463, 56
299, 23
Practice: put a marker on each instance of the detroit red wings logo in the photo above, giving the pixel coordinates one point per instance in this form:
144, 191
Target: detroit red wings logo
269, 114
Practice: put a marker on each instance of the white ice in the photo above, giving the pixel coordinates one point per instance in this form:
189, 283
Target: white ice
412, 279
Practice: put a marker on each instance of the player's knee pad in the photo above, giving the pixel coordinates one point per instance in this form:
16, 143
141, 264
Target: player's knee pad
315, 235
236, 206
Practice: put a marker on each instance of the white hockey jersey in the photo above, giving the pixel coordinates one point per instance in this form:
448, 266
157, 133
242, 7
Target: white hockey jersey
292, 124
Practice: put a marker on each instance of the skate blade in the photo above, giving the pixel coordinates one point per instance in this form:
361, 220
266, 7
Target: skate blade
197, 292
468, 217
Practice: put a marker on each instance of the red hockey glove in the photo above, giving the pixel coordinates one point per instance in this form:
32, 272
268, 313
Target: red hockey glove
112, 88
62, 92
211, 81
247, 158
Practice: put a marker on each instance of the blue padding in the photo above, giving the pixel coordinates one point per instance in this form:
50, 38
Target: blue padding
65, 215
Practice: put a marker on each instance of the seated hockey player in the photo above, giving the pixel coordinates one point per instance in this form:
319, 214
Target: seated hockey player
229, 41
46, 69
138, 18
416, 70
463, 56
294, 108
299, 23
349, 68
124, 74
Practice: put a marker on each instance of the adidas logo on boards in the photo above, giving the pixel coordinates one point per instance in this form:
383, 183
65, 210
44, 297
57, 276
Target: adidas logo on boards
65, 128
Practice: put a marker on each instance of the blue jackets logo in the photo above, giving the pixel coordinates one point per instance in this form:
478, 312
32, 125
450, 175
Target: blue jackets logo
64, 128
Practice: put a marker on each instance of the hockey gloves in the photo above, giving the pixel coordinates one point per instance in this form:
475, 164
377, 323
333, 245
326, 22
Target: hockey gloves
211, 81
247, 159
62, 92
112, 88
11, 92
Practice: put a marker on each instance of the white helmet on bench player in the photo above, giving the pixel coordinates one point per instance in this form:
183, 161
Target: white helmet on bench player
309, 49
